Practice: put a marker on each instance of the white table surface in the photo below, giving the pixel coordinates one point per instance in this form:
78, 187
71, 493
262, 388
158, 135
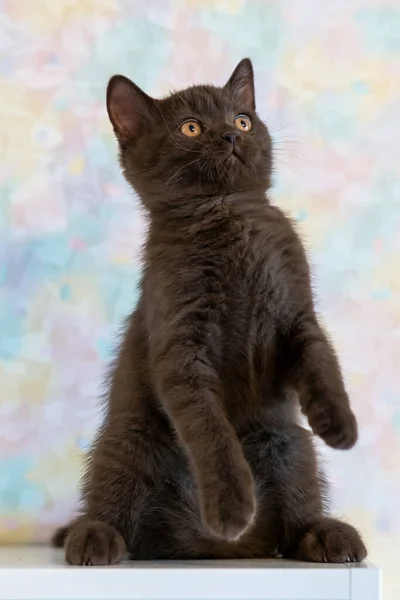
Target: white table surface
39, 573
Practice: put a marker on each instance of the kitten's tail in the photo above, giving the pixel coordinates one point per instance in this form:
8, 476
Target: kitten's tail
59, 536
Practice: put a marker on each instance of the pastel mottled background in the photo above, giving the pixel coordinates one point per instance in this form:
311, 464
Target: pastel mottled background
327, 84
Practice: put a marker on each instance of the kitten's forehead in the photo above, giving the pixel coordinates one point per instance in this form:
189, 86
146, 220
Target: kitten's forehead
207, 102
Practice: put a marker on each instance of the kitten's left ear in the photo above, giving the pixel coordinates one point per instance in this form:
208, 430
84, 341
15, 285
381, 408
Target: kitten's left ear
241, 85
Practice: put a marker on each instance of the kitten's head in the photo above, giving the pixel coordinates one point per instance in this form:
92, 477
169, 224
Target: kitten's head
198, 142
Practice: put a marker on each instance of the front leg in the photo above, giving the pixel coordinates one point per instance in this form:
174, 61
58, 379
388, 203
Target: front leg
323, 397
188, 388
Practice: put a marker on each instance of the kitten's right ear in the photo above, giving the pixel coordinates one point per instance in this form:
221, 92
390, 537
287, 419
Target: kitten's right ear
128, 107
241, 84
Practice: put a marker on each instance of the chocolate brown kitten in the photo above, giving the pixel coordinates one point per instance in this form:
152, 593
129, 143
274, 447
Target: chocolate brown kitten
201, 454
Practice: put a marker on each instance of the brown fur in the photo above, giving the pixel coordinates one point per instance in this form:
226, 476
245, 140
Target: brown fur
201, 453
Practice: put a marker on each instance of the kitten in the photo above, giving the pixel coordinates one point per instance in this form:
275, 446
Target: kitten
201, 454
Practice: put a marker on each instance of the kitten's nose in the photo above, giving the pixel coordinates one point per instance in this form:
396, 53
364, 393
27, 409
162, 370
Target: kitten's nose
230, 136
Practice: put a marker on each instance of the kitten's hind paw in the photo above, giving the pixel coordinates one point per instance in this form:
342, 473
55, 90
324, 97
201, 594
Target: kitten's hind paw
331, 541
94, 543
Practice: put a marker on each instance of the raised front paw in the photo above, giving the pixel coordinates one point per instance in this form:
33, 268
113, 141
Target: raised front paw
94, 543
335, 424
228, 501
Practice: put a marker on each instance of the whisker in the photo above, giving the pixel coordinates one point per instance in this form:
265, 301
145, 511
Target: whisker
282, 127
294, 170
290, 154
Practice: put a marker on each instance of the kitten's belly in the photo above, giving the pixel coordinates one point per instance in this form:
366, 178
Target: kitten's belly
249, 365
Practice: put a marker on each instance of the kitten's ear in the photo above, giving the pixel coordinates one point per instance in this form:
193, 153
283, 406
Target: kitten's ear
241, 85
128, 107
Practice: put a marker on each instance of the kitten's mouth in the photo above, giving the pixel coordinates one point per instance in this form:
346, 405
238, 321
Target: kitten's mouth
234, 155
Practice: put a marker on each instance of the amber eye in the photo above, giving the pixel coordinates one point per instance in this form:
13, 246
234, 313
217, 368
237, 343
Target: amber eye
243, 123
191, 128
